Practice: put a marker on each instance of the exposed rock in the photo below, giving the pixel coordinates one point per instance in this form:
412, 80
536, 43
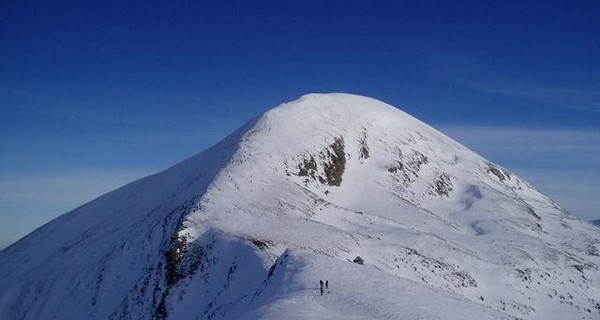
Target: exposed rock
502, 175
533, 213
443, 185
261, 244
331, 161
334, 168
364, 148
308, 168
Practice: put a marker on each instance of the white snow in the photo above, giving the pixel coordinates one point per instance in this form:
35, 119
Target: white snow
246, 229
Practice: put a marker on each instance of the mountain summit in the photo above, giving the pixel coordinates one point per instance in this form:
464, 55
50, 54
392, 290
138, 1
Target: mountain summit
403, 222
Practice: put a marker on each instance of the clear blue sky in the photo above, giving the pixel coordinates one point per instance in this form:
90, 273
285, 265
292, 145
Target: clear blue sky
95, 94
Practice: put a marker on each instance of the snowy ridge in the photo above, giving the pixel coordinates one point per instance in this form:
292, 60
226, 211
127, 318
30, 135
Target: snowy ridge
247, 228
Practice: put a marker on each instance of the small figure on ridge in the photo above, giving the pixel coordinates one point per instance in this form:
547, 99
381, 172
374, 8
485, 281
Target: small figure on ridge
321, 286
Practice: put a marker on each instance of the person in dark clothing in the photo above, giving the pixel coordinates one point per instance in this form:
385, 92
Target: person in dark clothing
321, 286
326, 284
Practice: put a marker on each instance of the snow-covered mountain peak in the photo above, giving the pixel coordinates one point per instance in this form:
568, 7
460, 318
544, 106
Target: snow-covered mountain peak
247, 228
334, 114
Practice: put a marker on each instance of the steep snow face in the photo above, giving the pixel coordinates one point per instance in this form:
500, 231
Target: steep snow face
247, 228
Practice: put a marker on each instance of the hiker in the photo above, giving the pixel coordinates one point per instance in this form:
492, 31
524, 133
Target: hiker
326, 284
321, 286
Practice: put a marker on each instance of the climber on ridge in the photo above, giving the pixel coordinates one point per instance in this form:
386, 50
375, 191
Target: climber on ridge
321, 286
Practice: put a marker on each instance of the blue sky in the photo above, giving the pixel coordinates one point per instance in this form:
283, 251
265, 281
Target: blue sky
96, 94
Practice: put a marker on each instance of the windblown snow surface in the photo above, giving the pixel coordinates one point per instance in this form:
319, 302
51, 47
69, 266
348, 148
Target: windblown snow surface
246, 229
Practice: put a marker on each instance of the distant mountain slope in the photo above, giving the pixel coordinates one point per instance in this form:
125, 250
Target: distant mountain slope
247, 228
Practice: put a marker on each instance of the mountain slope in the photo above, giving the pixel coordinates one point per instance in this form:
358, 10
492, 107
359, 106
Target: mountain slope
247, 228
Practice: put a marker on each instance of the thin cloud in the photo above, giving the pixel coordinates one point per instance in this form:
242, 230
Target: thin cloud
575, 191
28, 201
468, 71
491, 138
61, 189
